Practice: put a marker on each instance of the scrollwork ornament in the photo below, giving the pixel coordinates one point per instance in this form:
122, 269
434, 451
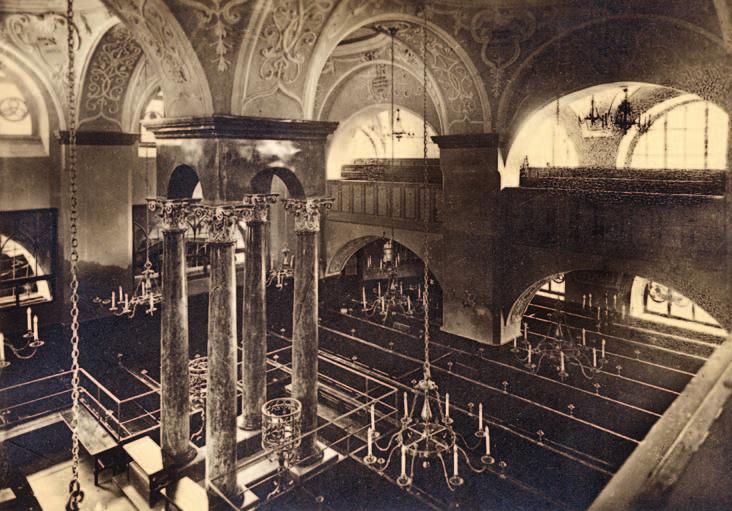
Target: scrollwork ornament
174, 213
307, 212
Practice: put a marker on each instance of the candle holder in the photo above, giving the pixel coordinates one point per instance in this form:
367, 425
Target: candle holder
487, 459
281, 425
456, 481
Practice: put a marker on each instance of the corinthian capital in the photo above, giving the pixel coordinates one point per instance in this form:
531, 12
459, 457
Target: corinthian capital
173, 212
259, 202
221, 219
307, 212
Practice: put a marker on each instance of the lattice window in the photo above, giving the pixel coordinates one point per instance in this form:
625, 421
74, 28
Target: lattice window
15, 111
22, 279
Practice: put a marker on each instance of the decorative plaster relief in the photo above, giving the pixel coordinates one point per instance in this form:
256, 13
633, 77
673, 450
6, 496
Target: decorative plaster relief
220, 18
108, 77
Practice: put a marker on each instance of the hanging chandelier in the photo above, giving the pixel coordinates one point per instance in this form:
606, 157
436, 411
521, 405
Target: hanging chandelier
426, 429
626, 117
594, 120
285, 270
27, 349
558, 348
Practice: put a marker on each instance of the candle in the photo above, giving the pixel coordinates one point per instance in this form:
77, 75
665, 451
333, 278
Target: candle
622, 311
29, 319
598, 313
589, 300
35, 328
152, 303
144, 288
615, 302
419, 291
370, 440
114, 301
526, 331
515, 342
584, 301
594, 357
2, 347
383, 304
487, 441
373, 418
363, 296
368, 262
381, 264
406, 406
127, 301
529, 351
401, 288
120, 294
584, 337
409, 304
404, 461
561, 361
447, 405
603, 348
480, 416
379, 289
455, 460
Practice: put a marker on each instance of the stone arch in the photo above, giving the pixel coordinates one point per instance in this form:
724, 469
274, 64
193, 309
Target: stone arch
261, 182
335, 32
165, 43
667, 52
182, 183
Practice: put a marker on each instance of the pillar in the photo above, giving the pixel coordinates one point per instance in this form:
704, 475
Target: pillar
221, 221
305, 318
254, 313
174, 391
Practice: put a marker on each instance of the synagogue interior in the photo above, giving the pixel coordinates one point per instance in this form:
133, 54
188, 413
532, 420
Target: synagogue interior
344, 255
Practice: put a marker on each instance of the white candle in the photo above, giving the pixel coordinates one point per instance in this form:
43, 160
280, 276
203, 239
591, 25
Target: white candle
381, 264
598, 313
447, 405
401, 288
480, 416
404, 461
515, 342
615, 302
584, 337
370, 440
120, 294
35, 328
594, 357
143, 288
584, 301
526, 331
379, 289
2, 347
487, 441
383, 304
406, 406
419, 291
603, 348
409, 304
589, 300
363, 296
373, 418
127, 301
529, 351
114, 301
455, 460
152, 303
29, 319
561, 361
622, 311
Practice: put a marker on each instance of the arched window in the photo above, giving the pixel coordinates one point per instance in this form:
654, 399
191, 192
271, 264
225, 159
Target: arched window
23, 116
691, 135
21, 277
153, 110
15, 116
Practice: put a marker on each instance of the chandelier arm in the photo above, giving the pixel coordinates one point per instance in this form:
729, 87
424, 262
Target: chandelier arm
383, 469
477, 470
445, 473
470, 447
23, 357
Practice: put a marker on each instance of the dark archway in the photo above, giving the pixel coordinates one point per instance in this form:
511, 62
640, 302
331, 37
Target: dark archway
262, 182
182, 183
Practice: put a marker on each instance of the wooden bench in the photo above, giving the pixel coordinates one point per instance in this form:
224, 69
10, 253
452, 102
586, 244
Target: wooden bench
185, 495
96, 440
146, 471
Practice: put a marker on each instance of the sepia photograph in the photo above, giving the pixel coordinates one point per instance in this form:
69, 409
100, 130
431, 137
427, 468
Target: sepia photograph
365, 255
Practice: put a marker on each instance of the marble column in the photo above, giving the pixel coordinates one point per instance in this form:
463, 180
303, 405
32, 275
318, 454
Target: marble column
174, 398
221, 221
305, 318
254, 313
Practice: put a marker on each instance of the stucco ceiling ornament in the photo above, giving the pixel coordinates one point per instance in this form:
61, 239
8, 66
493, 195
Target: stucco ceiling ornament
43, 37
108, 77
500, 32
219, 18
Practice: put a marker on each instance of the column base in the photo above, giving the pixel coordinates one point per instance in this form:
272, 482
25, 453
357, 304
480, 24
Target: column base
180, 460
249, 423
309, 455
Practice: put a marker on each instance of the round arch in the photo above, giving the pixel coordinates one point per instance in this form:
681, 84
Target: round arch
262, 181
666, 52
182, 183
329, 39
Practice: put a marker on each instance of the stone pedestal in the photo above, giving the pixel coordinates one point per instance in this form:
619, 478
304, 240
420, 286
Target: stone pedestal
305, 318
174, 383
254, 314
471, 231
221, 221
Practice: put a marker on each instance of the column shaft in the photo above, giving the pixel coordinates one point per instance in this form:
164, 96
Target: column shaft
305, 340
254, 328
221, 382
174, 407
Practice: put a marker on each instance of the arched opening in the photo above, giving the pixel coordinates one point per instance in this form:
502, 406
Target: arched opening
183, 183
153, 109
371, 267
675, 130
24, 280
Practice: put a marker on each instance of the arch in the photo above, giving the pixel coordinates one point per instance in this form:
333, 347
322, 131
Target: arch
262, 181
182, 183
667, 52
330, 38
165, 43
12, 248
337, 262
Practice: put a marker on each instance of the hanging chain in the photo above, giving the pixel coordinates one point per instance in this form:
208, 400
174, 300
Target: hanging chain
427, 213
392, 33
75, 494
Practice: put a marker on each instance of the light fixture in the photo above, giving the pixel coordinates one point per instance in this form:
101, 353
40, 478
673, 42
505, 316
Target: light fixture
594, 120
284, 271
281, 436
559, 349
627, 117
31, 341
